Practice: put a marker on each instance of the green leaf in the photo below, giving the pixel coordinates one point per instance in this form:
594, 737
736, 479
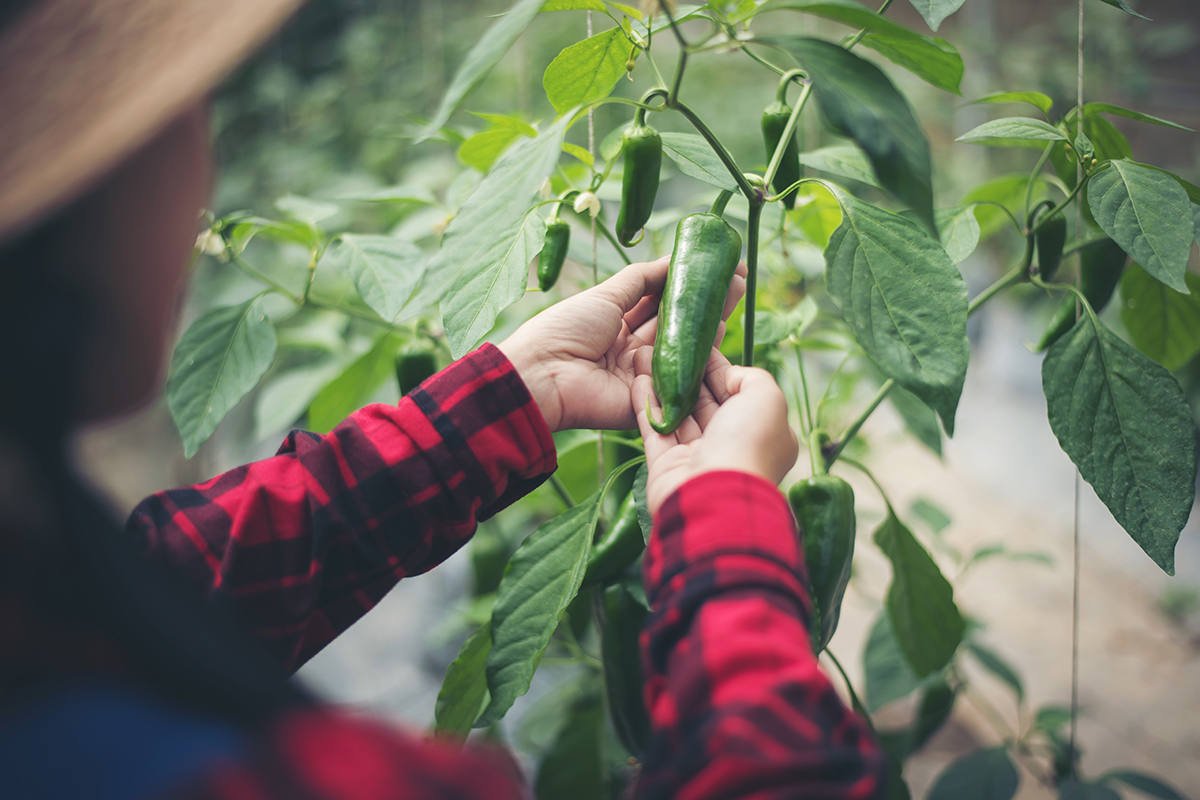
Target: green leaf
580, 153
284, 398
1109, 108
817, 214
695, 158
996, 550
508, 122
904, 299
1036, 99
888, 676
919, 418
486, 53
934, 11
1084, 790
645, 520
1121, 4
541, 580
586, 71
395, 194
310, 212
844, 11
385, 270
221, 357
998, 667
575, 768
470, 312
859, 102
1146, 212
491, 218
613, 142
932, 515
984, 774
1051, 718
959, 231
1144, 783
1163, 324
844, 160
920, 602
934, 61
1014, 132
1126, 424
355, 387
772, 327
464, 691
572, 5
481, 150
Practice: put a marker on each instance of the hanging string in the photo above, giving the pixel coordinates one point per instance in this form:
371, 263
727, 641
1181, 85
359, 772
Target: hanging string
1075, 572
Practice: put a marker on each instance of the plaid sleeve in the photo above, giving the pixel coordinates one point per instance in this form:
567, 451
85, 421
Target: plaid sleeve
304, 543
738, 705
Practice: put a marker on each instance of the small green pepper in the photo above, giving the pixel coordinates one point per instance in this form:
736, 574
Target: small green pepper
824, 509
774, 121
554, 252
620, 616
642, 148
1100, 270
619, 548
1050, 238
413, 367
702, 266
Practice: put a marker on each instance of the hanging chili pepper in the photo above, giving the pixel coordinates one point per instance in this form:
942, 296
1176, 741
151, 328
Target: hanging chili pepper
619, 548
642, 148
824, 509
774, 121
554, 251
620, 616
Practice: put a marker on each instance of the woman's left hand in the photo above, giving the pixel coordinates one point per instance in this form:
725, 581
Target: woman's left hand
576, 357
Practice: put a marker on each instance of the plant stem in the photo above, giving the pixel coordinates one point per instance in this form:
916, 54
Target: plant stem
683, 54
856, 38
814, 451
761, 60
804, 385
1014, 276
789, 131
253, 272
561, 490
752, 223
854, 701
738, 176
1082, 244
853, 430
354, 312
1033, 178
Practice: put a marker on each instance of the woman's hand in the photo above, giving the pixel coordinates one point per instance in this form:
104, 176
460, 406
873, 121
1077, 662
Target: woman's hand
740, 423
576, 357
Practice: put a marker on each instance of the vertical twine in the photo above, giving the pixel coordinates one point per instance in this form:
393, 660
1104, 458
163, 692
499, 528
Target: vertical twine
1071, 792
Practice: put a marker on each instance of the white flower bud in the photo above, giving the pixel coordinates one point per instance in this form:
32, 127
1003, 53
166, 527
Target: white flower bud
589, 201
210, 243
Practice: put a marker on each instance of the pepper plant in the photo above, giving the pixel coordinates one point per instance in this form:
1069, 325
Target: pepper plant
891, 306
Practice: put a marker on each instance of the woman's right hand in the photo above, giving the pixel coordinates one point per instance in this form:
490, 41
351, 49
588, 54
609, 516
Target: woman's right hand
740, 423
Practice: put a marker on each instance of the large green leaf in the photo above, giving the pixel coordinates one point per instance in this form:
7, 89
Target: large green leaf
920, 419
586, 71
464, 691
541, 580
844, 160
695, 158
1145, 784
1162, 323
982, 775
1124, 421
959, 231
1146, 212
355, 387
998, 667
1014, 132
469, 312
1121, 4
221, 357
934, 61
481, 151
384, 270
574, 768
1118, 111
934, 11
904, 299
920, 601
482, 234
887, 674
483, 56
1036, 99
858, 101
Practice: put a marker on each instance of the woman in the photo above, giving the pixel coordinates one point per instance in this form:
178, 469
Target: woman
162, 673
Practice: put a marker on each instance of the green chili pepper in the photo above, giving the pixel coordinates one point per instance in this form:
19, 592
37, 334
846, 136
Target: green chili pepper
620, 616
1050, 238
824, 509
642, 148
554, 252
774, 120
413, 367
702, 266
1100, 270
619, 548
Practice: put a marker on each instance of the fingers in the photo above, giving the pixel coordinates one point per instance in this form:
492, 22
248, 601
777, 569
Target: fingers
629, 287
737, 290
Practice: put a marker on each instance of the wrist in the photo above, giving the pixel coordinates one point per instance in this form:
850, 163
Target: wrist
538, 380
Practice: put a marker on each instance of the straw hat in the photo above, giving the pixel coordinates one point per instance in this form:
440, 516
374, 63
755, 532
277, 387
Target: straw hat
83, 83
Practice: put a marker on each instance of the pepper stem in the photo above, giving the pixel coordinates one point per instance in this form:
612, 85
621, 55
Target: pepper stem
718, 206
814, 451
785, 81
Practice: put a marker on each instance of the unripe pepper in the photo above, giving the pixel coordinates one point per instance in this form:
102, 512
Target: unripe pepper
824, 509
1050, 238
1100, 268
554, 252
642, 149
702, 266
774, 121
619, 618
619, 548
413, 367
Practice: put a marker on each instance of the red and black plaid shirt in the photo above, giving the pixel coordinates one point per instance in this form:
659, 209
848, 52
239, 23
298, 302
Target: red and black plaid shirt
308, 541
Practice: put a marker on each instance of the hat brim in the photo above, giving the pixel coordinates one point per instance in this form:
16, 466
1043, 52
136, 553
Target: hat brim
84, 83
